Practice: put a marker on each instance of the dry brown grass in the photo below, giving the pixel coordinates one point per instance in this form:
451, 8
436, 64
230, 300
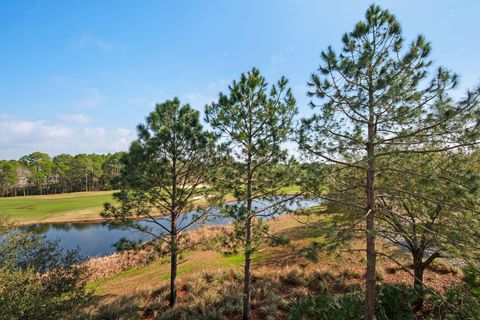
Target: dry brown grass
216, 294
349, 264
100, 268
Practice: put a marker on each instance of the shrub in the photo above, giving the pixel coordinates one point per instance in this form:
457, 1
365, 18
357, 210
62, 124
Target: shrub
458, 303
395, 302
346, 307
38, 280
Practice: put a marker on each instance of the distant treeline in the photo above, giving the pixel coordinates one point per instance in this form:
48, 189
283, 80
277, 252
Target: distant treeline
38, 173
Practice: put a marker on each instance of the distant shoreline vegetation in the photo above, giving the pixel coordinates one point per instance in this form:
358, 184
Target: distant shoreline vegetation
40, 174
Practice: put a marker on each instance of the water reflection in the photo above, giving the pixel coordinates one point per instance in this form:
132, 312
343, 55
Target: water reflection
97, 239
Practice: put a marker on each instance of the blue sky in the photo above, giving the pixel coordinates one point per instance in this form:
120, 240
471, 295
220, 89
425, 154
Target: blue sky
77, 76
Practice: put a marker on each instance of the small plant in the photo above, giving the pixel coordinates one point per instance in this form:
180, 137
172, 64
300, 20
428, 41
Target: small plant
458, 303
471, 275
395, 302
325, 307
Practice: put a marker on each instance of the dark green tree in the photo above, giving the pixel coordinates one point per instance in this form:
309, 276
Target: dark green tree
166, 172
377, 100
81, 169
111, 170
428, 205
62, 168
40, 166
253, 121
9, 177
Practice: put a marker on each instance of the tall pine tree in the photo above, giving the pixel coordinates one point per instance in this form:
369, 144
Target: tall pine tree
253, 121
166, 172
376, 99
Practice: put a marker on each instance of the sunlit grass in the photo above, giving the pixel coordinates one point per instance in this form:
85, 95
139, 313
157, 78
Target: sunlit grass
53, 208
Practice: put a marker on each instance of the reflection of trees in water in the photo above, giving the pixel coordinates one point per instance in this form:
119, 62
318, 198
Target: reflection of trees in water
96, 238
216, 218
36, 228
45, 227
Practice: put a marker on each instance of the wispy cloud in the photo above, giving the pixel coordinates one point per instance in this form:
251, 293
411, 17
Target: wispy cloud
79, 118
87, 40
92, 98
279, 58
22, 136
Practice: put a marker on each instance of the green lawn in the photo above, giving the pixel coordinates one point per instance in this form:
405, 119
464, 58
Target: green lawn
54, 208
79, 206
158, 272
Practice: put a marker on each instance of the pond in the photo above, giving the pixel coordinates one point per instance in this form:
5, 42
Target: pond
98, 239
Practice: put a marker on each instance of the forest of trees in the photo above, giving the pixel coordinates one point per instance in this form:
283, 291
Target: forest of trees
38, 173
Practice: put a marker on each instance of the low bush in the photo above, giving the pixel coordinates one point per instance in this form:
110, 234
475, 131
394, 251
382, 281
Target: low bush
395, 301
37, 279
459, 302
325, 307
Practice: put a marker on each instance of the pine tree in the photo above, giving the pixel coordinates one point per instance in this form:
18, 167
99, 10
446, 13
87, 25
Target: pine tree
375, 101
428, 205
164, 172
254, 121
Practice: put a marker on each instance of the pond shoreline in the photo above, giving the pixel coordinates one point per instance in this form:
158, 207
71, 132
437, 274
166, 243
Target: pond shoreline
99, 219
99, 239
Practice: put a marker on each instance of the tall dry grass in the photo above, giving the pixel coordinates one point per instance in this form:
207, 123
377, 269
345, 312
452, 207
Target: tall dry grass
204, 238
218, 295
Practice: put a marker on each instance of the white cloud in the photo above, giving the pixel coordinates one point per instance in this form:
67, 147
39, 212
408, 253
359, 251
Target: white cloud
79, 118
89, 40
142, 102
278, 59
22, 136
92, 98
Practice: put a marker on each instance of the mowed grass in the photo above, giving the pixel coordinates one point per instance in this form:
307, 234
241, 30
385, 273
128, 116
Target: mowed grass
55, 208
70, 207
158, 272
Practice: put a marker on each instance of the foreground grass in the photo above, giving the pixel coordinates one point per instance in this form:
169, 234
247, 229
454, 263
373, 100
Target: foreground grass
55, 208
302, 231
210, 282
157, 273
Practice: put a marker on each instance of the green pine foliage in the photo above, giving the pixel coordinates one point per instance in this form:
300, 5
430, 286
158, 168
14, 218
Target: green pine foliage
252, 121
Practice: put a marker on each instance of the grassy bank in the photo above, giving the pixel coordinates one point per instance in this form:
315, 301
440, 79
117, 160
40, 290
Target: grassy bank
210, 282
70, 207
55, 208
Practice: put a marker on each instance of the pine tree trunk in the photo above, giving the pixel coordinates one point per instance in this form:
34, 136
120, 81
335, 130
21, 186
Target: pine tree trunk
418, 273
248, 261
248, 225
418, 286
173, 268
419, 267
371, 252
370, 278
173, 236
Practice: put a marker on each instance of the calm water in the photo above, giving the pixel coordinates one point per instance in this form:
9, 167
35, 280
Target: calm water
97, 239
